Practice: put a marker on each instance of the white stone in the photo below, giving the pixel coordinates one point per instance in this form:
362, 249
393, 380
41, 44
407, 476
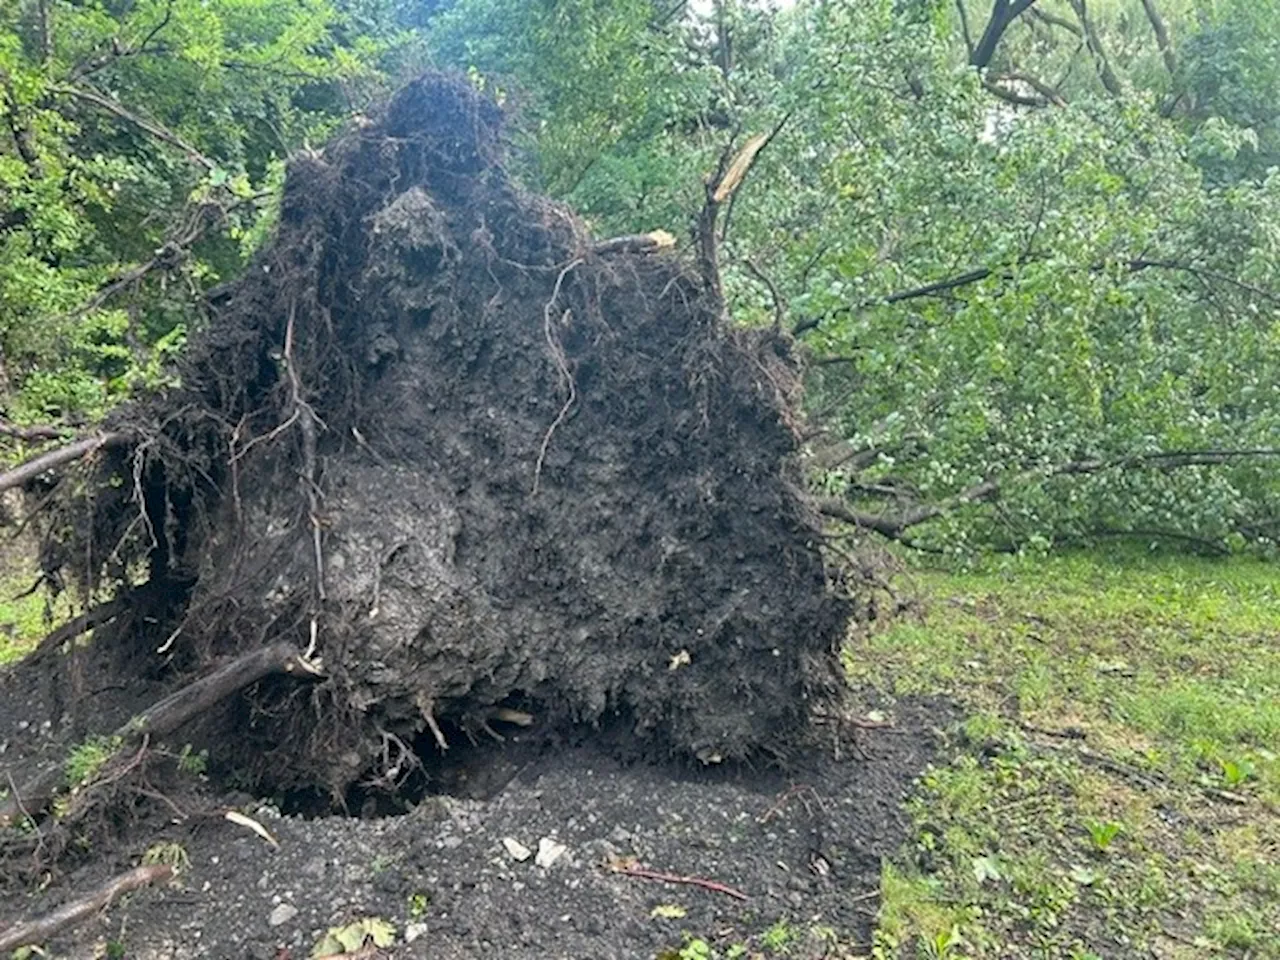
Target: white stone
282, 914
549, 851
413, 931
519, 852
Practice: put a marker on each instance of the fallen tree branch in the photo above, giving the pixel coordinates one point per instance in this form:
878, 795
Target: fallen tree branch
894, 526
34, 932
167, 715
978, 274
650, 242
26, 472
712, 885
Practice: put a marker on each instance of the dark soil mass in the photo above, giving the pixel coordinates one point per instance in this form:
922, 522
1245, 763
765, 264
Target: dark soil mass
481, 468
805, 848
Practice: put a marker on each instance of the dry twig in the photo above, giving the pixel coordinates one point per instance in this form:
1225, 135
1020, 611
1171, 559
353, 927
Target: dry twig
712, 885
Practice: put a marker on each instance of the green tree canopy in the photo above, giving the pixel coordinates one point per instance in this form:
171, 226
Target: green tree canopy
1030, 248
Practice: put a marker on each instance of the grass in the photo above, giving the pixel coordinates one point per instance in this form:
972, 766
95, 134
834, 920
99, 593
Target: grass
1114, 790
24, 621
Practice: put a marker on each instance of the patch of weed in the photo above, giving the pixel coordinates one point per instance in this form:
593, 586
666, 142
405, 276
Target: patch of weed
1113, 790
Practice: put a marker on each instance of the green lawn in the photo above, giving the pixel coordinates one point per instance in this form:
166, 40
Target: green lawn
24, 621
1115, 788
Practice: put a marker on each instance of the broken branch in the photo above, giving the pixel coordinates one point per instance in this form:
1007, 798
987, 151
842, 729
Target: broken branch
37, 931
26, 472
33, 434
167, 715
156, 130
894, 526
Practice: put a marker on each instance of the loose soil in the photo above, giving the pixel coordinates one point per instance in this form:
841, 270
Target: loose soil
804, 845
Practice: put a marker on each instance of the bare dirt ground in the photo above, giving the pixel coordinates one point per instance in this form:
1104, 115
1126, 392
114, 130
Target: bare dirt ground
803, 846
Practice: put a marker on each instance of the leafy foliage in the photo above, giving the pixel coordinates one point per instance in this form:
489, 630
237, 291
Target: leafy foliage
1031, 308
143, 140
1038, 296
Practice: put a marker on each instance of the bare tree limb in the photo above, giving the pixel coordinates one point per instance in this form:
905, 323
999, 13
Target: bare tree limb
938, 287
45, 26
927, 290
1054, 20
156, 130
1050, 94
34, 434
35, 932
167, 715
894, 525
1094, 43
779, 305
964, 26
102, 613
1003, 13
28, 471
723, 186
1012, 96
23, 137
119, 52
205, 216
1161, 31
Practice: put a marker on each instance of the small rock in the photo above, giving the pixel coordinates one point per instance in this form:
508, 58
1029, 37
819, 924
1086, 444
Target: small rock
452, 842
413, 931
518, 851
315, 868
549, 851
282, 914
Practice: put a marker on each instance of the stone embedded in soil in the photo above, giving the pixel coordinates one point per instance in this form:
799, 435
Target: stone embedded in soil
549, 851
518, 851
282, 914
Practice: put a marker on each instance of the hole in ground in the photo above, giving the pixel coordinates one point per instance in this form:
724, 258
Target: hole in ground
481, 759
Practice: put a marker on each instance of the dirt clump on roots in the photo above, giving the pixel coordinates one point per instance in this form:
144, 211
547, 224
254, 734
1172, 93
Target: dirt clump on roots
482, 470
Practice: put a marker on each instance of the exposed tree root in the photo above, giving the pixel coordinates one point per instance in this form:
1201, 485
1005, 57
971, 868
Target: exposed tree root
34, 932
26, 472
96, 616
165, 716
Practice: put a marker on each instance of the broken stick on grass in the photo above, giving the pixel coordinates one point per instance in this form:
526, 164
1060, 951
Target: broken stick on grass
712, 885
37, 931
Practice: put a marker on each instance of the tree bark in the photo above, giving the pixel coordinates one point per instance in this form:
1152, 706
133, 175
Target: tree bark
1003, 13
1094, 42
1161, 30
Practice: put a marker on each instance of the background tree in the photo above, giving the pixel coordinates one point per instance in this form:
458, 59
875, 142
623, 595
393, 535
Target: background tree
1029, 246
143, 141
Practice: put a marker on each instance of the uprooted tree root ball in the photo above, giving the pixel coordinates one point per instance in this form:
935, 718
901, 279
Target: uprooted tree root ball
475, 468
